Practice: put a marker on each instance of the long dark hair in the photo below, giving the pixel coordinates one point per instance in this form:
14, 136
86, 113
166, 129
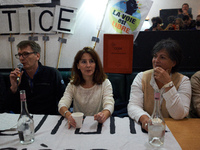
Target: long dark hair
99, 74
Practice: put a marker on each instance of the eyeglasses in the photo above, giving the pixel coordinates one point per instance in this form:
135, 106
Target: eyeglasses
24, 55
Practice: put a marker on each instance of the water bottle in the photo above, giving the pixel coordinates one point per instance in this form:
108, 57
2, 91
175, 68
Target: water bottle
25, 125
156, 124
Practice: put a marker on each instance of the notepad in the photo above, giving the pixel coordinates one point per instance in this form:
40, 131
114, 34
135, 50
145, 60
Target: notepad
89, 125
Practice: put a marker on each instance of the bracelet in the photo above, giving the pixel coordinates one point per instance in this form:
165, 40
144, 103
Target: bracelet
170, 84
65, 112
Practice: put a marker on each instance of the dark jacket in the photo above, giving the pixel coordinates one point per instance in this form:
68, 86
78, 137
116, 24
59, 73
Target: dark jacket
43, 92
191, 26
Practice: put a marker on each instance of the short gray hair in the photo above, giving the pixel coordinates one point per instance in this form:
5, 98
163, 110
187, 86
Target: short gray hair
34, 46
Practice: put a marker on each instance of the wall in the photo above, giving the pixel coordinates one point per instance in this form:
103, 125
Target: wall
87, 25
142, 53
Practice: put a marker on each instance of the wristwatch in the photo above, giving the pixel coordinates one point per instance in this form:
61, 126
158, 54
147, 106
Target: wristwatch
170, 84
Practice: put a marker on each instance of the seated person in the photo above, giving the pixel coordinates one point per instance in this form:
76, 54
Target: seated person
197, 27
2, 94
89, 89
156, 24
189, 24
179, 24
44, 85
195, 102
174, 87
174, 24
180, 11
171, 25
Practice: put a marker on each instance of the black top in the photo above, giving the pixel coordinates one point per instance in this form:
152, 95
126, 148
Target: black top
43, 92
191, 26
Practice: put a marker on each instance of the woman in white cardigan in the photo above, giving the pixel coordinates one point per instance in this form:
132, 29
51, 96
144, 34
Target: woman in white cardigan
174, 87
89, 89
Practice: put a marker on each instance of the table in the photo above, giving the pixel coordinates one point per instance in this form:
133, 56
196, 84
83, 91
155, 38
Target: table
116, 133
186, 132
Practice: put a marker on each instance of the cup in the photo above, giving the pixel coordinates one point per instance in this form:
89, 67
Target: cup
78, 117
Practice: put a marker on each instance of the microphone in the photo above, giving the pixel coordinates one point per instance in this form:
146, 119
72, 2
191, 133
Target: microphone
20, 66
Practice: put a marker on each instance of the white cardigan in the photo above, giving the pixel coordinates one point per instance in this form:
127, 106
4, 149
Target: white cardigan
90, 101
177, 102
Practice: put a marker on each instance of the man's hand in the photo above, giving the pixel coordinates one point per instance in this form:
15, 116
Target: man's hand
13, 79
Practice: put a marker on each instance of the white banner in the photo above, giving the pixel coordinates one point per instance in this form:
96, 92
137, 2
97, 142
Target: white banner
44, 20
64, 19
22, 2
125, 16
72, 3
9, 21
38, 20
51, 132
27, 19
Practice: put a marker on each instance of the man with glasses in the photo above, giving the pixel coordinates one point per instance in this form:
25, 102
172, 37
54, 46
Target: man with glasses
185, 11
44, 85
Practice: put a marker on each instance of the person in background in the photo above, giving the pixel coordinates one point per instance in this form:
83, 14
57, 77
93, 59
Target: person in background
171, 25
174, 87
189, 24
44, 85
89, 89
179, 24
180, 11
156, 24
185, 11
197, 27
2, 94
195, 102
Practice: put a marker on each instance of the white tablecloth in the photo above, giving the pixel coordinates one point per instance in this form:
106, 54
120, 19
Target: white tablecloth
115, 134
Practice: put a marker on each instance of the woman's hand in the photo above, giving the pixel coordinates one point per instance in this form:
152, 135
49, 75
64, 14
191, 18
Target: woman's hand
159, 27
162, 75
71, 122
100, 117
144, 121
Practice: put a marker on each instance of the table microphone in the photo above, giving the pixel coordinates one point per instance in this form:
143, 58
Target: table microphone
20, 66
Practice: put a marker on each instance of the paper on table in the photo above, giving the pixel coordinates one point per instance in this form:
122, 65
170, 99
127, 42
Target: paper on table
8, 121
89, 125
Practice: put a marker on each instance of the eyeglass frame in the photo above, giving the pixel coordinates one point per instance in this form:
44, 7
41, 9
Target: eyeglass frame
24, 55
